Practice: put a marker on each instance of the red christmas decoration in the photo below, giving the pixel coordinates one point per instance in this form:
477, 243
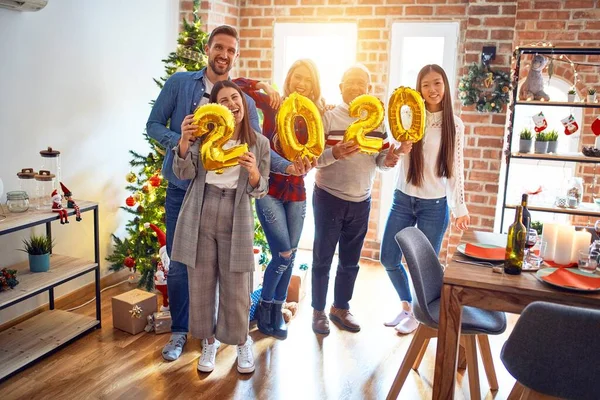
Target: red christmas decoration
130, 201
129, 262
155, 180
596, 126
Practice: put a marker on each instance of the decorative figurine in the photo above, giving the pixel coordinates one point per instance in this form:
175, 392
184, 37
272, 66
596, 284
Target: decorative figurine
70, 202
58, 208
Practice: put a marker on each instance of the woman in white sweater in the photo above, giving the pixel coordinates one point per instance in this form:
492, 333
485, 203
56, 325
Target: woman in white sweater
430, 182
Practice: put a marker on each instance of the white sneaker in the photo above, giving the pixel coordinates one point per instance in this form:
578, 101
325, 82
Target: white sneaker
407, 325
245, 357
399, 318
206, 363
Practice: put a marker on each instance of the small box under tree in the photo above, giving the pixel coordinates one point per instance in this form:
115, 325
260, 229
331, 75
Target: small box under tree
131, 310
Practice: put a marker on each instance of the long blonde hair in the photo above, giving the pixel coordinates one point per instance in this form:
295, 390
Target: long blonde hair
315, 95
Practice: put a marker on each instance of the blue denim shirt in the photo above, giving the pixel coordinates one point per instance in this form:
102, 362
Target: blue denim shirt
179, 97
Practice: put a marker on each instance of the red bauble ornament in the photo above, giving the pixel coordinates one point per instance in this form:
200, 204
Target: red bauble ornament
596, 126
129, 262
155, 180
130, 201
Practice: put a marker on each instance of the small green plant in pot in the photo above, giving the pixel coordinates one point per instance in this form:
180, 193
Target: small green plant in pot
591, 95
38, 248
526, 139
571, 95
552, 139
541, 143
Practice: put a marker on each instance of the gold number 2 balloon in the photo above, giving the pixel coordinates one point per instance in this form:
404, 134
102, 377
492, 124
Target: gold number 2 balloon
370, 113
411, 98
217, 123
294, 106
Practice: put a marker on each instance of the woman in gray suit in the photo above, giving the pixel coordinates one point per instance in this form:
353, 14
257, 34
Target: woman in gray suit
215, 232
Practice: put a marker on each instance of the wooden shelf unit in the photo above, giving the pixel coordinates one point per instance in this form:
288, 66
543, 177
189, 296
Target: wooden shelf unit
47, 332
586, 209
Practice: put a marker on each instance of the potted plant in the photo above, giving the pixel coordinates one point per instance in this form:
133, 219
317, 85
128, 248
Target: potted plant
526, 139
38, 248
571, 95
541, 143
552, 139
591, 95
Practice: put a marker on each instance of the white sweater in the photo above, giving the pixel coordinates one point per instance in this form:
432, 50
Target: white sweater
433, 186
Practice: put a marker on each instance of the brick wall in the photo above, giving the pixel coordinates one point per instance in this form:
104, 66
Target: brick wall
503, 23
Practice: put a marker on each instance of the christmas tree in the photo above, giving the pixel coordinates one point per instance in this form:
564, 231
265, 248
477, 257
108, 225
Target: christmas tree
139, 250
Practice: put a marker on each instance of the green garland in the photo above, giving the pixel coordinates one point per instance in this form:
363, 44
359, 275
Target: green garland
489, 90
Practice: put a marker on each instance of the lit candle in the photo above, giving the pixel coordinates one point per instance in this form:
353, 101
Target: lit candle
581, 242
564, 244
549, 235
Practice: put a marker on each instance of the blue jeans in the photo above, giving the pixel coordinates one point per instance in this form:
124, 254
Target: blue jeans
177, 280
431, 216
282, 222
346, 222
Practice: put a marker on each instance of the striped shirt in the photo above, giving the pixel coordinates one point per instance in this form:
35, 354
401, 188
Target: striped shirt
351, 178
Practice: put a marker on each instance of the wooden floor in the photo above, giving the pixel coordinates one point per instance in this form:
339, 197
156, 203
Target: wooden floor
110, 364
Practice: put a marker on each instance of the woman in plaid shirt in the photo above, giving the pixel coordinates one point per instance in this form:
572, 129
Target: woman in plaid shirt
281, 212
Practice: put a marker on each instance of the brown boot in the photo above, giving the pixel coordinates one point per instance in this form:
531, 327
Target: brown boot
320, 322
344, 318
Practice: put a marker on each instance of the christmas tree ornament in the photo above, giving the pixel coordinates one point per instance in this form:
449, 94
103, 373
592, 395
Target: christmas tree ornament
296, 105
131, 177
155, 180
540, 122
130, 201
138, 196
596, 126
140, 210
129, 262
70, 202
405, 96
145, 188
570, 125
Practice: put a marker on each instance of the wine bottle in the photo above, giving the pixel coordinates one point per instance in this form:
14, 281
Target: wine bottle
515, 246
526, 215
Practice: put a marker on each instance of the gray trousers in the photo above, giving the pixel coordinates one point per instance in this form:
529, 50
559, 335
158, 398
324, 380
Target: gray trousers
229, 320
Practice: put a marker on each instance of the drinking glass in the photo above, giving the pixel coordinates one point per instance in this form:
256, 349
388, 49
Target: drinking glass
586, 262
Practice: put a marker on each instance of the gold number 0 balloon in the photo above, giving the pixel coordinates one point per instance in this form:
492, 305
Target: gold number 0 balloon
411, 98
294, 106
217, 123
372, 119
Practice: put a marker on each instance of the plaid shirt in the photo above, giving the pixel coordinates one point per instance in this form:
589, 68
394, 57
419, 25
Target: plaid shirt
282, 187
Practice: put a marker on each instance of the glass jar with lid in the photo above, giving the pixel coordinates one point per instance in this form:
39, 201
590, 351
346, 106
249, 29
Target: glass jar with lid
51, 163
45, 186
27, 183
17, 201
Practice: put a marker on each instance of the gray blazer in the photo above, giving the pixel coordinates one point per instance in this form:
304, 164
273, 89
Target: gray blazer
185, 242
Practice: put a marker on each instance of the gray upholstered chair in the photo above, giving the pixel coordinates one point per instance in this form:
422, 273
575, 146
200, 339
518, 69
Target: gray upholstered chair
427, 277
554, 350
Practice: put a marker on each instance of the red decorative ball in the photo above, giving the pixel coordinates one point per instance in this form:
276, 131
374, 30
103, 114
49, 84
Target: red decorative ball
129, 262
130, 201
155, 180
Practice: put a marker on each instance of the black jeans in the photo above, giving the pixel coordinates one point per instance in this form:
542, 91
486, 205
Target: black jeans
346, 222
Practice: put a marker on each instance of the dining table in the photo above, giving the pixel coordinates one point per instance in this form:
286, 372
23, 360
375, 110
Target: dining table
466, 284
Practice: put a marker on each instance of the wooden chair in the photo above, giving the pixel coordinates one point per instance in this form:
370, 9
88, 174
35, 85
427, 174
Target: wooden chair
427, 277
554, 352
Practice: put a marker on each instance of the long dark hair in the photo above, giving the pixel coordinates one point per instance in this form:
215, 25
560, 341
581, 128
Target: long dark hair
247, 134
445, 158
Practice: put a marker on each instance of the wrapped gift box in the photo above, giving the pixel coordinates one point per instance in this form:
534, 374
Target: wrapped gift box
297, 288
130, 310
162, 322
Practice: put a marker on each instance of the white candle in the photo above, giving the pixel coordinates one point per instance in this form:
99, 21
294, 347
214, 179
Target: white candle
581, 242
564, 244
549, 235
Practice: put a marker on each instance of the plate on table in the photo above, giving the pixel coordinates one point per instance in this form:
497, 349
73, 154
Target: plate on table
547, 271
463, 246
